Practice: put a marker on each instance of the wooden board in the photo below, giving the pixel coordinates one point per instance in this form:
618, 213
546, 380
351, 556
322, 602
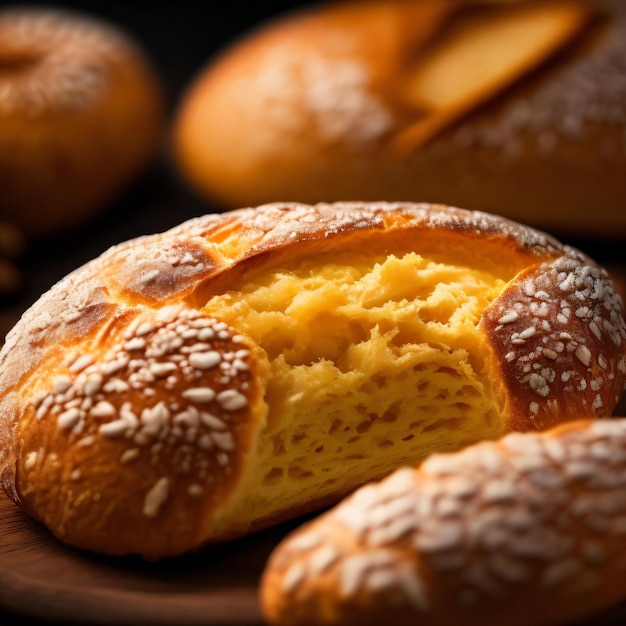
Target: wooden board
43, 579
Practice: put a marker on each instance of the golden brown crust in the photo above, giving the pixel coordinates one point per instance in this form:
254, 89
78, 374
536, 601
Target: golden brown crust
81, 111
323, 106
525, 530
134, 361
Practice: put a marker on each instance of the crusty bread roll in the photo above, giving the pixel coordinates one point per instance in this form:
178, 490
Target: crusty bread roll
81, 117
246, 367
530, 529
515, 108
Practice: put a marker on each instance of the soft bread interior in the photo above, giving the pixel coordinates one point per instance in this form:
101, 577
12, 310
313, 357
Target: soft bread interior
376, 358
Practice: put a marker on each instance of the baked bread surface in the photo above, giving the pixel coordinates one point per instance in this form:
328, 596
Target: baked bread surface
82, 116
516, 108
246, 367
525, 530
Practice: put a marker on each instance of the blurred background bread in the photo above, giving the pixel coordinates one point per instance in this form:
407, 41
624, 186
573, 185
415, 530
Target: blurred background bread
510, 107
81, 117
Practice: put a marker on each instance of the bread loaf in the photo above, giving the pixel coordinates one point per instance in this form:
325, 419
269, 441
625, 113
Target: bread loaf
515, 108
82, 116
247, 367
526, 530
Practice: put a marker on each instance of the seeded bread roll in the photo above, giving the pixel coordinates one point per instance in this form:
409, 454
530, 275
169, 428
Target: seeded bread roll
526, 530
81, 117
515, 108
247, 367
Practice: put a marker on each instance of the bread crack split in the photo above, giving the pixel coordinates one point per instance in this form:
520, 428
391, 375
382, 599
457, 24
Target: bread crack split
244, 368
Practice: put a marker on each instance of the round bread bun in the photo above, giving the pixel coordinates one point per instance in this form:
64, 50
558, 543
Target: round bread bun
81, 116
247, 367
526, 530
515, 108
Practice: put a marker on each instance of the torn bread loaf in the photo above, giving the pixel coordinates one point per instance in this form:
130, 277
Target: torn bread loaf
247, 367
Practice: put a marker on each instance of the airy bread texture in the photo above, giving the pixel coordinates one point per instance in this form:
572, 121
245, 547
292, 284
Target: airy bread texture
246, 367
82, 115
516, 108
526, 530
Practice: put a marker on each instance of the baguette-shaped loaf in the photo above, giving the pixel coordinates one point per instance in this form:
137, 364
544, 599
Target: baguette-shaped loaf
530, 529
516, 108
246, 367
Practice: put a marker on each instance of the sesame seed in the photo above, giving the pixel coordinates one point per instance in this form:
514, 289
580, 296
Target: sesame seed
156, 497
212, 422
61, 384
194, 490
550, 354
539, 385
162, 369
30, 460
201, 395
80, 363
446, 536
129, 455
508, 317
499, 491
322, 559
223, 440
144, 329
68, 419
355, 568
113, 429
293, 577
93, 384
583, 354
103, 409
137, 343
231, 400
384, 535
205, 360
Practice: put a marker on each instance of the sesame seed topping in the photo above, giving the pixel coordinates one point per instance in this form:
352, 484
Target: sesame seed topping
156, 497
30, 460
205, 360
103, 409
539, 385
61, 384
232, 400
199, 394
517, 523
193, 405
583, 354
69, 418
129, 455
113, 429
509, 317
294, 576
80, 363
